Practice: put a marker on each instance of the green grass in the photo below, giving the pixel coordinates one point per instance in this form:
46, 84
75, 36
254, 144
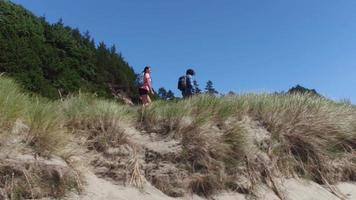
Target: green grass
47, 134
12, 103
308, 134
164, 117
85, 107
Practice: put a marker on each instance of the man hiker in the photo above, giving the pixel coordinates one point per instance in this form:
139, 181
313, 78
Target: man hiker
185, 84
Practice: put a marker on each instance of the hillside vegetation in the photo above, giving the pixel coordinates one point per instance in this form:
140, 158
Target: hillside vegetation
203, 145
54, 59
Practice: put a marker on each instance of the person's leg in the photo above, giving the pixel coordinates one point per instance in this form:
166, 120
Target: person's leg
183, 94
148, 99
188, 94
143, 96
144, 100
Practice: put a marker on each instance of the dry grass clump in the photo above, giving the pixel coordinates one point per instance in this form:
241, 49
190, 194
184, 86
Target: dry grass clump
102, 123
205, 185
236, 140
170, 182
19, 180
137, 178
33, 125
99, 120
212, 159
202, 150
163, 117
308, 132
82, 109
47, 133
174, 116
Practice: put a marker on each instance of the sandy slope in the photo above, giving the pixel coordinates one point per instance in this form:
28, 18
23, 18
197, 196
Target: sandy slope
292, 189
100, 189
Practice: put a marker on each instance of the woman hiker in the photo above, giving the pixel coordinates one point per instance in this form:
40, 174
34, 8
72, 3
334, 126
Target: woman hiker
146, 87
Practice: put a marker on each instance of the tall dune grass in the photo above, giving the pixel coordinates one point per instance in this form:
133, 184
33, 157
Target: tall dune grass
164, 117
87, 107
12, 103
309, 135
47, 133
102, 121
43, 118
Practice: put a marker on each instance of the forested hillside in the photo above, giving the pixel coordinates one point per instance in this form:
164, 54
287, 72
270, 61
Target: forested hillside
53, 59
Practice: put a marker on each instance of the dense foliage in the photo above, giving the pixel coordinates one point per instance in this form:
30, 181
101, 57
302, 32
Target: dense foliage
53, 59
302, 90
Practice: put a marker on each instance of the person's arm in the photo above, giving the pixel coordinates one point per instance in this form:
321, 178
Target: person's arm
194, 89
149, 83
190, 82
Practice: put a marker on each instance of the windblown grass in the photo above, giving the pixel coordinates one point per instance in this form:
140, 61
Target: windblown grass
85, 108
20, 180
44, 135
102, 121
309, 136
12, 103
164, 117
47, 133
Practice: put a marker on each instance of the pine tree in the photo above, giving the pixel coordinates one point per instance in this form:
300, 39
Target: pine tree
231, 93
209, 88
170, 95
196, 86
162, 93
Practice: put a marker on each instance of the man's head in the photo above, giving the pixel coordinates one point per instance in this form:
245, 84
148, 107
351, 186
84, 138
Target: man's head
190, 72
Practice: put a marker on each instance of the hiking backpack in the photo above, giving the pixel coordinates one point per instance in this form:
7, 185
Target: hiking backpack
140, 79
182, 83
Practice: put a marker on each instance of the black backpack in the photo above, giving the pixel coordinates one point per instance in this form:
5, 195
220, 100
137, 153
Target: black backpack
182, 83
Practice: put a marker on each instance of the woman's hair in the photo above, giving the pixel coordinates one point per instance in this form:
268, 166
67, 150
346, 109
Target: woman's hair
146, 68
190, 72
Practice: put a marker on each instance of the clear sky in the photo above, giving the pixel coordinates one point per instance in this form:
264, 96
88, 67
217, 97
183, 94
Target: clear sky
241, 45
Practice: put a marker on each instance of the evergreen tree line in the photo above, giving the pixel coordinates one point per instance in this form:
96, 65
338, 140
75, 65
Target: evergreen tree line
55, 60
209, 89
169, 95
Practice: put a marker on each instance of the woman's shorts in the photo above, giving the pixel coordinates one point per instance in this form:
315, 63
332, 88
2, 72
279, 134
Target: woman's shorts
142, 91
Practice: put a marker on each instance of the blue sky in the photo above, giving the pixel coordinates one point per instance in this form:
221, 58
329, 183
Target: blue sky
241, 45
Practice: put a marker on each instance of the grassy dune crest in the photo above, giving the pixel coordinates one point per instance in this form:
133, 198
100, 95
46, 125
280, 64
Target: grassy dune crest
229, 143
259, 137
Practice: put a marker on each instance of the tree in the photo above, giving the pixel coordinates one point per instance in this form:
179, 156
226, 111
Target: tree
170, 95
209, 88
196, 86
162, 93
231, 93
56, 57
302, 90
